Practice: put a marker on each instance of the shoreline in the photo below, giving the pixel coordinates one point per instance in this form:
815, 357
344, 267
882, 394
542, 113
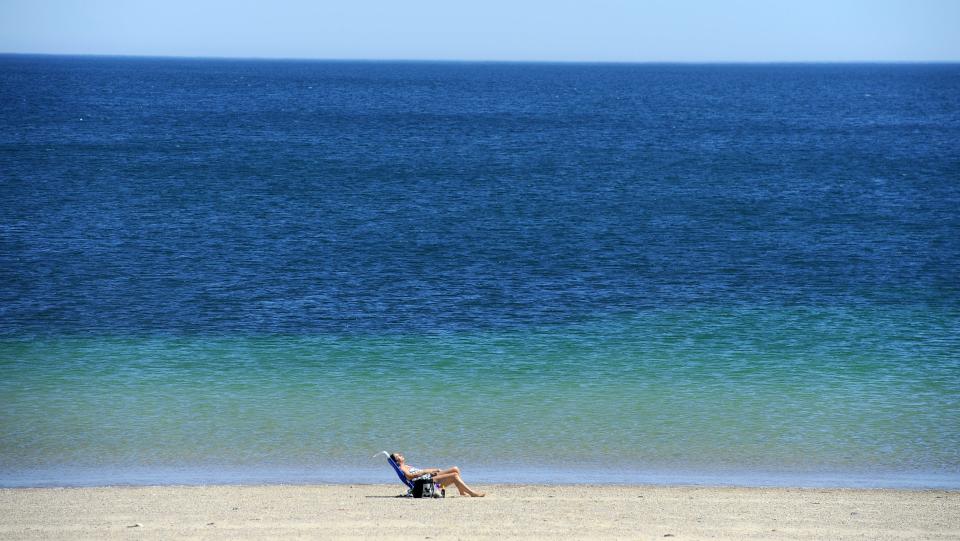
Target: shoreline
511, 511
93, 477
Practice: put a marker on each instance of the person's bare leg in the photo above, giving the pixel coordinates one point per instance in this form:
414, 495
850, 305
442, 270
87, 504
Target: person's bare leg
454, 478
447, 479
452, 469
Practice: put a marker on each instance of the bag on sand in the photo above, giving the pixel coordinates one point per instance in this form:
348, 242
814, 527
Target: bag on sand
424, 488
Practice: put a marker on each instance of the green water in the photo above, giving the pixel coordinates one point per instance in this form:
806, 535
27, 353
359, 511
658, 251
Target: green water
722, 393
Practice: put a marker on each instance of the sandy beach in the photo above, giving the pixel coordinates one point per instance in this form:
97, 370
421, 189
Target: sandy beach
511, 511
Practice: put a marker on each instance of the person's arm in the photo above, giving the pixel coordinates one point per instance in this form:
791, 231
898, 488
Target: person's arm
420, 473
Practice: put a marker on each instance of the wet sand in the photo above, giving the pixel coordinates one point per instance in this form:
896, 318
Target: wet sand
509, 511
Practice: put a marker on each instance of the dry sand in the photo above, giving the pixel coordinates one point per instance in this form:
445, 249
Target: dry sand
543, 512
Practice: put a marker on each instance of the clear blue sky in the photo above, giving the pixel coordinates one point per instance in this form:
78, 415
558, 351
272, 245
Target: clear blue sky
588, 30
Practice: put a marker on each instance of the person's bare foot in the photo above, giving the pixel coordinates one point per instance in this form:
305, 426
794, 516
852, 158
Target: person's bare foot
479, 494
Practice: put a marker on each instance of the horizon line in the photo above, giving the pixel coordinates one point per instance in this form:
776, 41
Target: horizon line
467, 60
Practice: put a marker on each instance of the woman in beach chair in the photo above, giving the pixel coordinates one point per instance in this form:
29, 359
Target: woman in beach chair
450, 476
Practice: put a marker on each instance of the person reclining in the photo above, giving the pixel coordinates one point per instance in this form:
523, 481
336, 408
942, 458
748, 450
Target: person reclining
447, 477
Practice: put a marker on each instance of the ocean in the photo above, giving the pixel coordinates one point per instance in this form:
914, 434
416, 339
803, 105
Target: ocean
252, 271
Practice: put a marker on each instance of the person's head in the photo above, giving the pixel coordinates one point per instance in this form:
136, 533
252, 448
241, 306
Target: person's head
397, 457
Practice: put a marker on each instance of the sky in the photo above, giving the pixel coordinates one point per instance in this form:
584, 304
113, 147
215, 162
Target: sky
511, 30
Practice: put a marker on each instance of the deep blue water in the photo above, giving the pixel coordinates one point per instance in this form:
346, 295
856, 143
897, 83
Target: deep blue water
722, 272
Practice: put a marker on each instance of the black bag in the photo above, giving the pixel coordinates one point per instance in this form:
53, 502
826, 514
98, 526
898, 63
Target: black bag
424, 488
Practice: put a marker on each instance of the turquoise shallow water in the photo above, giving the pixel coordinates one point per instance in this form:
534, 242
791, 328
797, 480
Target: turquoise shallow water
797, 396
